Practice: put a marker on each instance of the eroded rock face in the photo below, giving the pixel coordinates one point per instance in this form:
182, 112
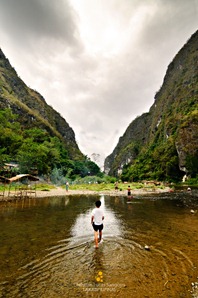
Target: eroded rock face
187, 145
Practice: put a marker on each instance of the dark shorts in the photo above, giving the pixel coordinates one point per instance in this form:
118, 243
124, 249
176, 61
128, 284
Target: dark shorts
98, 227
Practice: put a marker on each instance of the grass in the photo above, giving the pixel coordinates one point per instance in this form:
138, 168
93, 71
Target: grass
39, 186
94, 186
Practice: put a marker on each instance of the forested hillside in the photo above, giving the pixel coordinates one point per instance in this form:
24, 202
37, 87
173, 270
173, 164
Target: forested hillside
163, 143
33, 134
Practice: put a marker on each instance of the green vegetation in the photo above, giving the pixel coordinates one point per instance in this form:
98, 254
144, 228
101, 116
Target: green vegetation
159, 162
36, 151
39, 186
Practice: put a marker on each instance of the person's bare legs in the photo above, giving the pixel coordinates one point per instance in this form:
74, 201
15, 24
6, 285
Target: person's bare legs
100, 236
96, 239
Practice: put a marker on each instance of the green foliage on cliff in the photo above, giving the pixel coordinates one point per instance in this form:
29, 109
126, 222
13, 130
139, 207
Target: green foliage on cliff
159, 163
32, 109
166, 135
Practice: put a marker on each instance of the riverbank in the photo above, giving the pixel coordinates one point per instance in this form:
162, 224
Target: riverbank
58, 191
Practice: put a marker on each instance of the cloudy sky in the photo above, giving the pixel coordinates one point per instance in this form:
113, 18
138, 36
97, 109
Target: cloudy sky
98, 63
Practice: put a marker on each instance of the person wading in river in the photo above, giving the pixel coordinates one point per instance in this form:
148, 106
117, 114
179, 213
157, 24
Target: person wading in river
97, 222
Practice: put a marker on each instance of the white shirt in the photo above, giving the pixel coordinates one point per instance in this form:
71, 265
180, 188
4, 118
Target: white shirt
97, 213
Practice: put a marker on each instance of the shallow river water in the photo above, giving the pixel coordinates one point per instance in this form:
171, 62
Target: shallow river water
150, 248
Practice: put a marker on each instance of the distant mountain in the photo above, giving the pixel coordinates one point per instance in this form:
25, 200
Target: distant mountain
163, 143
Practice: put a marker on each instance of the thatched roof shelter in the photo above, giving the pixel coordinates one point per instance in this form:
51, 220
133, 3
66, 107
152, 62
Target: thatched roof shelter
18, 178
24, 191
22, 176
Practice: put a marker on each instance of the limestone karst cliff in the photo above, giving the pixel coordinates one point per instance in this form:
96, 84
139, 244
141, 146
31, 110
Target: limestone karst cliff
32, 108
163, 143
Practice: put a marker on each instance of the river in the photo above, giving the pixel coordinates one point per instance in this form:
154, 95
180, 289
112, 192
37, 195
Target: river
149, 249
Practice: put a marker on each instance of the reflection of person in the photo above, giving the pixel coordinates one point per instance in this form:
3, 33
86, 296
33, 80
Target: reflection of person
97, 218
67, 185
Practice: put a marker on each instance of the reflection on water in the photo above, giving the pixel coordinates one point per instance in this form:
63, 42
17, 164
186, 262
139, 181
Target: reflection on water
47, 248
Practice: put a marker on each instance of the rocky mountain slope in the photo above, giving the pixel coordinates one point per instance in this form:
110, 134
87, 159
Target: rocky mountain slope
163, 143
32, 108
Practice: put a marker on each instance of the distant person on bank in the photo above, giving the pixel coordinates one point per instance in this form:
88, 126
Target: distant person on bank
67, 185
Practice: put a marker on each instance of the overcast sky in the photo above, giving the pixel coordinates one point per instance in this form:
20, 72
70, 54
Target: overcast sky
98, 63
